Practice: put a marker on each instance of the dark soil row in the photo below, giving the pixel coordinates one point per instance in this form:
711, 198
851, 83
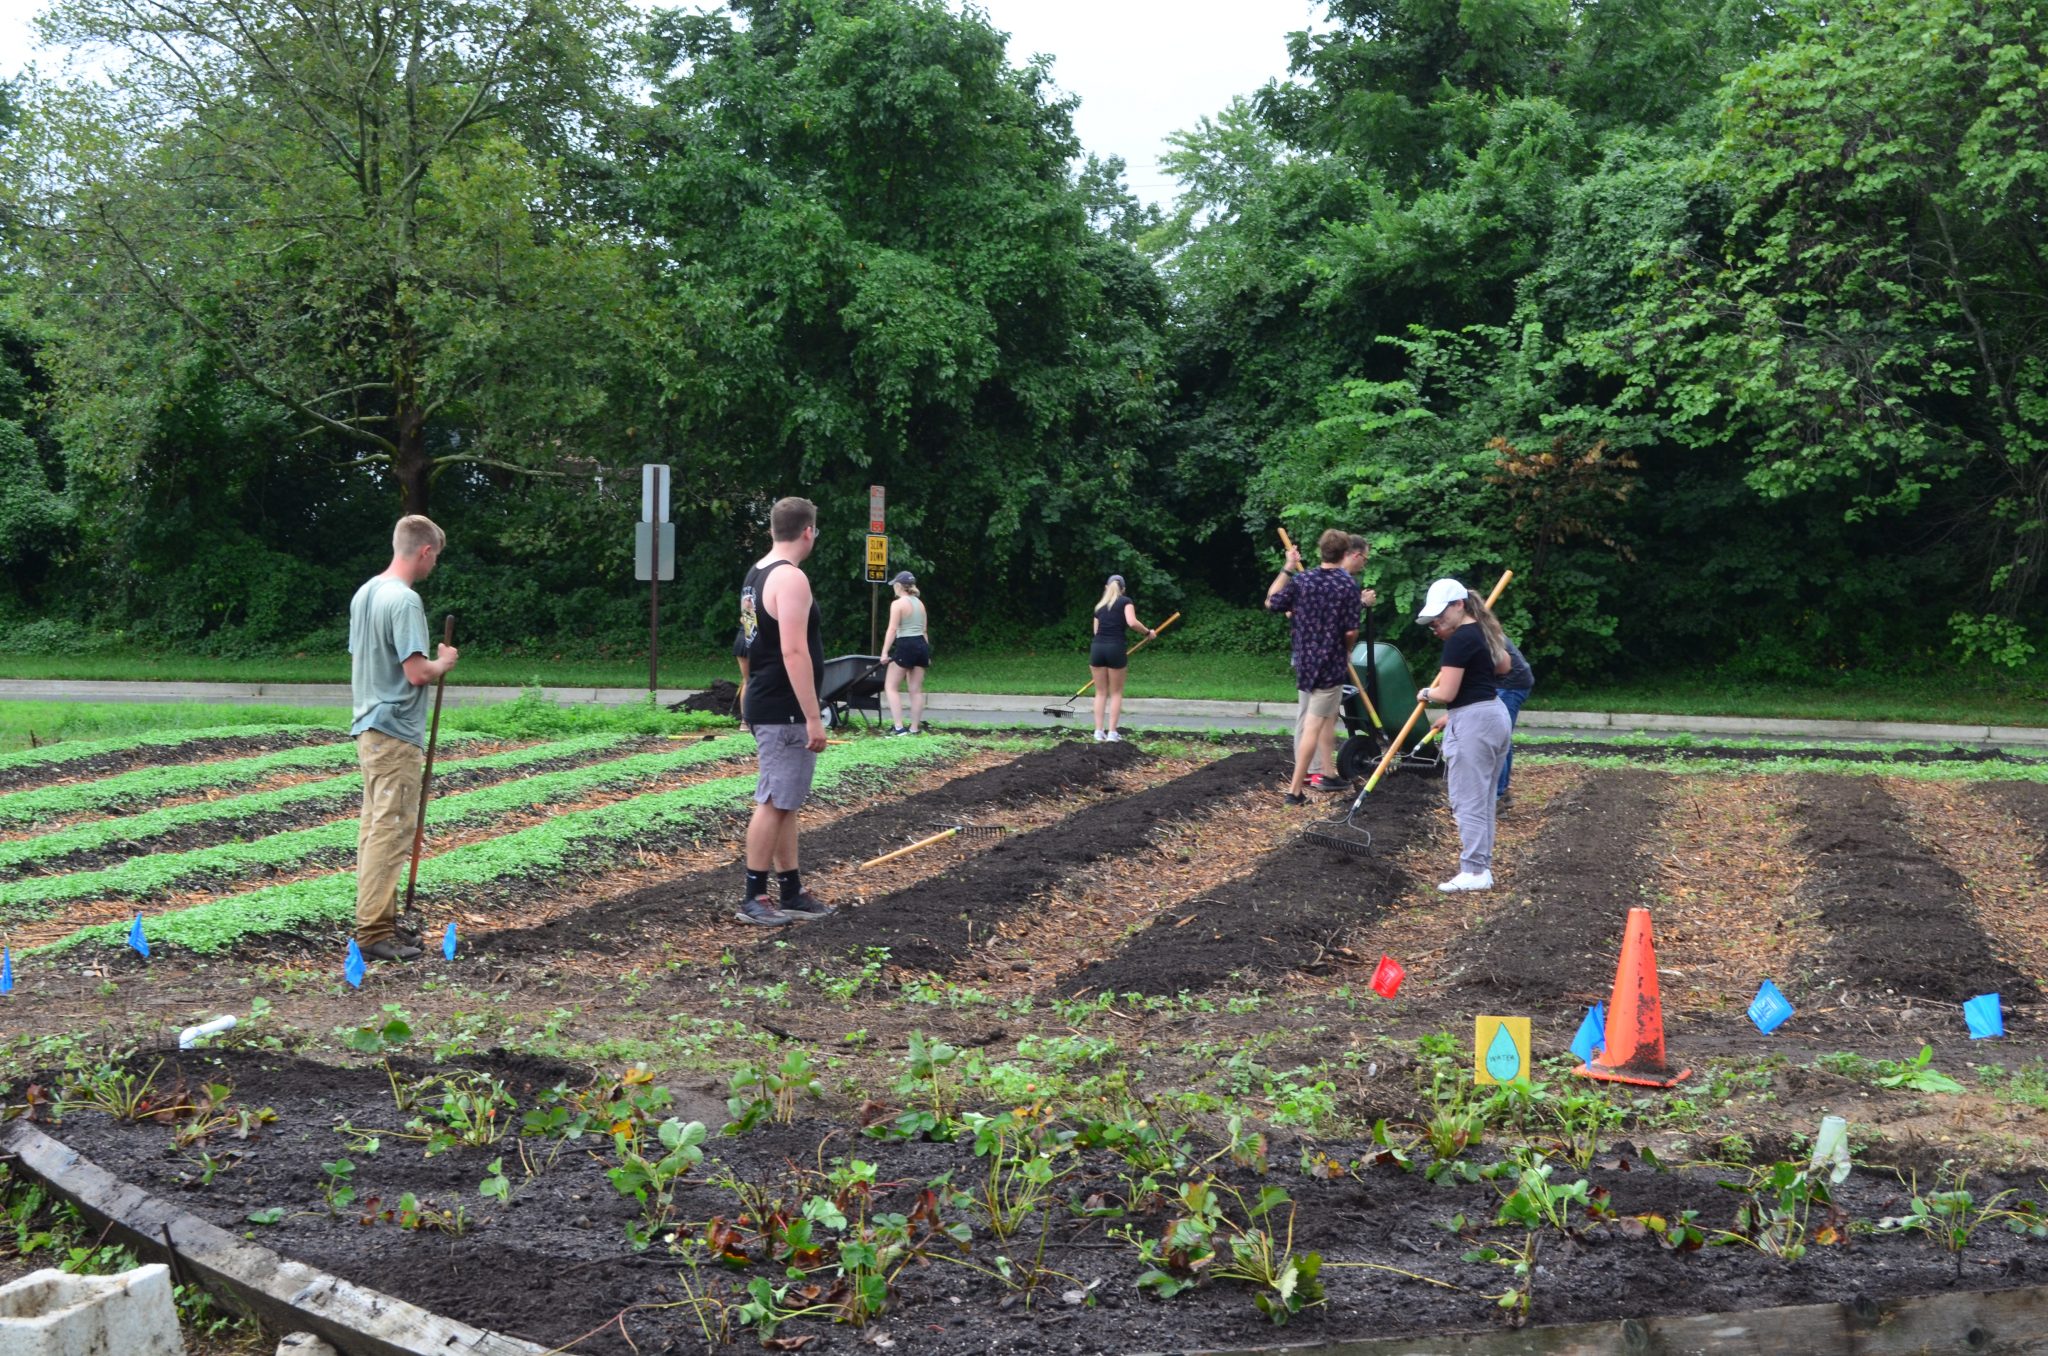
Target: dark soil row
449, 778
24, 776
552, 1266
612, 924
1555, 933
1284, 915
932, 925
1898, 919
1688, 753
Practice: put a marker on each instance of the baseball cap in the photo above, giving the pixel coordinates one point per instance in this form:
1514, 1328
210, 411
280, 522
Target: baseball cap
904, 577
1442, 594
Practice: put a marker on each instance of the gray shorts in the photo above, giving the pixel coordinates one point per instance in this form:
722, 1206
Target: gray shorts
786, 766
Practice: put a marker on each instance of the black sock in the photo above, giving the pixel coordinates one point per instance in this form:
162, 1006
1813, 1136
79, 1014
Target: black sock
791, 883
757, 883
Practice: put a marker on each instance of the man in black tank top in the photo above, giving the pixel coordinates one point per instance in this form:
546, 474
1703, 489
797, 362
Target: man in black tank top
786, 663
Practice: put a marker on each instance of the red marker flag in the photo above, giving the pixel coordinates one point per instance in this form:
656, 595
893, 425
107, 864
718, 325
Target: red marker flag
1387, 977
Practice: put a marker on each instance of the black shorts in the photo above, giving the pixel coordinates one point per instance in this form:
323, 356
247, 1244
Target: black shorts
1106, 654
911, 652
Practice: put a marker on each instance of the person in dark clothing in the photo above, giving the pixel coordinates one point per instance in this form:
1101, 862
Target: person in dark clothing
1476, 728
1323, 605
740, 642
786, 663
1515, 686
1116, 616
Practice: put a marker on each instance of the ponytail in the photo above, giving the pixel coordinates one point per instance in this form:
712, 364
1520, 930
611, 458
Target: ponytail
1110, 592
1489, 627
908, 591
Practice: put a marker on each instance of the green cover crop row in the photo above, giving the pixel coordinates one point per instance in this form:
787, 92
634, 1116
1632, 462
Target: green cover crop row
79, 750
1791, 765
155, 783
545, 849
143, 875
331, 792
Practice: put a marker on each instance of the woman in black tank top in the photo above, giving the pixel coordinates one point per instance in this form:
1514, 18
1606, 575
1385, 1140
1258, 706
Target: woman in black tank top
1116, 616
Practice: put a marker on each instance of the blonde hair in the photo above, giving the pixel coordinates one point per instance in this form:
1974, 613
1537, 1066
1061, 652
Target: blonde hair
415, 531
905, 590
1111, 591
1489, 627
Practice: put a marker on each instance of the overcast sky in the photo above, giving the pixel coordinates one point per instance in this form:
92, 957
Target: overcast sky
1143, 68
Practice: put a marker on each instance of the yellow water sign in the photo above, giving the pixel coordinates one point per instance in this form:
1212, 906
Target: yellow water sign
878, 558
1500, 1049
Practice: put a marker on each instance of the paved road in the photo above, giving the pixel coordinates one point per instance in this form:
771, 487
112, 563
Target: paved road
1139, 712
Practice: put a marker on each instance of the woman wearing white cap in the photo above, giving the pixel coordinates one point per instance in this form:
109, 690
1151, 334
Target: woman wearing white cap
1116, 616
910, 653
1477, 731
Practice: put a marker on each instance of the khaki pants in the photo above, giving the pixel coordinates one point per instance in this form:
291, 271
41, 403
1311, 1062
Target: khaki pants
391, 807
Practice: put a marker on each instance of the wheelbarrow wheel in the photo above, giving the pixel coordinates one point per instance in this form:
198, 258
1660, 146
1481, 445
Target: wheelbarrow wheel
1357, 756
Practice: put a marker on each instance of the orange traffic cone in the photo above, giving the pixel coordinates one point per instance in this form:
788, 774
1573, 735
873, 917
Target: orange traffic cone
1635, 1019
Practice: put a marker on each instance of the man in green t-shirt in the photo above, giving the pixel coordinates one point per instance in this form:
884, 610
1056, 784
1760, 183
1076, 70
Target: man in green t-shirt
389, 674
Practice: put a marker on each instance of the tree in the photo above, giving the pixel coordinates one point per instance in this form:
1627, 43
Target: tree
354, 210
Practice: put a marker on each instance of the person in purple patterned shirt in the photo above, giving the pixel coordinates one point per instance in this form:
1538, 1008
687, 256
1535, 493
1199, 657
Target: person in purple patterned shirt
1324, 606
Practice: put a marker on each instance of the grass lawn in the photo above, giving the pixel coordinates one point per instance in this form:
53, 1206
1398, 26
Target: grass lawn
1968, 697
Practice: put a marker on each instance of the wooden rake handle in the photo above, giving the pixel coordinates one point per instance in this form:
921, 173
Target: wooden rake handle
941, 836
1387, 759
419, 828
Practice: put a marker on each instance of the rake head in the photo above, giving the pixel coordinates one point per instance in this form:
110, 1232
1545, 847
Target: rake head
979, 831
1341, 835
1057, 710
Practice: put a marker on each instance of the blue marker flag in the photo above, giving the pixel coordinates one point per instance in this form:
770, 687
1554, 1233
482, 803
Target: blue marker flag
1592, 1037
1984, 1016
448, 942
352, 968
7, 970
1769, 1009
135, 937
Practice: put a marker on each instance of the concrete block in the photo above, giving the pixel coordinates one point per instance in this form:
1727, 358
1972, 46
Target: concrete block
50, 1313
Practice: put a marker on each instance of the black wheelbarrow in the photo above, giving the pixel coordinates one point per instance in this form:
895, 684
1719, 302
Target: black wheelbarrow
852, 683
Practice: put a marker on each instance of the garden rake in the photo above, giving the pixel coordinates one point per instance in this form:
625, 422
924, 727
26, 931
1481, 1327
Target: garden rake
1347, 834
1064, 708
419, 830
978, 831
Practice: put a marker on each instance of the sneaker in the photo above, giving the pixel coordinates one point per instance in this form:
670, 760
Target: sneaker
1098, 736
1468, 880
895, 730
1293, 798
1113, 737
390, 949
1504, 801
1319, 782
761, 913
806, 906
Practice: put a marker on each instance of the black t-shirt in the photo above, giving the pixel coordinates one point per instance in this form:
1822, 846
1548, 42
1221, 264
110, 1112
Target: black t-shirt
1112, 625
1466, 649
770, 698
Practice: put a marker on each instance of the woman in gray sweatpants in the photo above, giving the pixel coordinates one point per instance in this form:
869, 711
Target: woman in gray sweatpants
1477, 729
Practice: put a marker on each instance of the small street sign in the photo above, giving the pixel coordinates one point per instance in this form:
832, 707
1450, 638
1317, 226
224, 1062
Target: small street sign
643, 551
654, 483
878, 558
876, 499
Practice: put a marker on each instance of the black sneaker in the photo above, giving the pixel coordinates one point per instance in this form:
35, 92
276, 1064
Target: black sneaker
1293, 798
758, 911
807, 905
1318, 782
390, 949
895, 730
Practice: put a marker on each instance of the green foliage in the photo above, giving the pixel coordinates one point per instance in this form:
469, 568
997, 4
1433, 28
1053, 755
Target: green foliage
56, 755
156, 783
142, 876
545, 849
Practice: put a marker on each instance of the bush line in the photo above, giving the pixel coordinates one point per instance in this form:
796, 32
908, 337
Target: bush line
143, 875
550, 848
304, 796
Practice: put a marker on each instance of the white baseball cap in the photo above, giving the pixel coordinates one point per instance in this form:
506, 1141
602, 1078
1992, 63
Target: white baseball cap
1442, 594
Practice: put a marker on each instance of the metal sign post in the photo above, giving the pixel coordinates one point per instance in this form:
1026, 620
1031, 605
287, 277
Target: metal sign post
654, 558
878, 561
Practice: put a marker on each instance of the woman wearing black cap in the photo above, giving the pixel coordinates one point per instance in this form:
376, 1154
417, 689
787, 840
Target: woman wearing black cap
910, 652
1116, 616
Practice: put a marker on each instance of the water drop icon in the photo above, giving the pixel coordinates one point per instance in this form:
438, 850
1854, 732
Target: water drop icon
1503, 1057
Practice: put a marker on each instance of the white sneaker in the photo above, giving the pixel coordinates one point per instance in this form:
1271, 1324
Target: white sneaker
1467, 880
1098, 736
1113, 737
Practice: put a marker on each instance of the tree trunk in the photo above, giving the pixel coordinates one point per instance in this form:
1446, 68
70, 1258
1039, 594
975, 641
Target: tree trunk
411, 464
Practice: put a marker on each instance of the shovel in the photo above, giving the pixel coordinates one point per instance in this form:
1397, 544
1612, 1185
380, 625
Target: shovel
419, 832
